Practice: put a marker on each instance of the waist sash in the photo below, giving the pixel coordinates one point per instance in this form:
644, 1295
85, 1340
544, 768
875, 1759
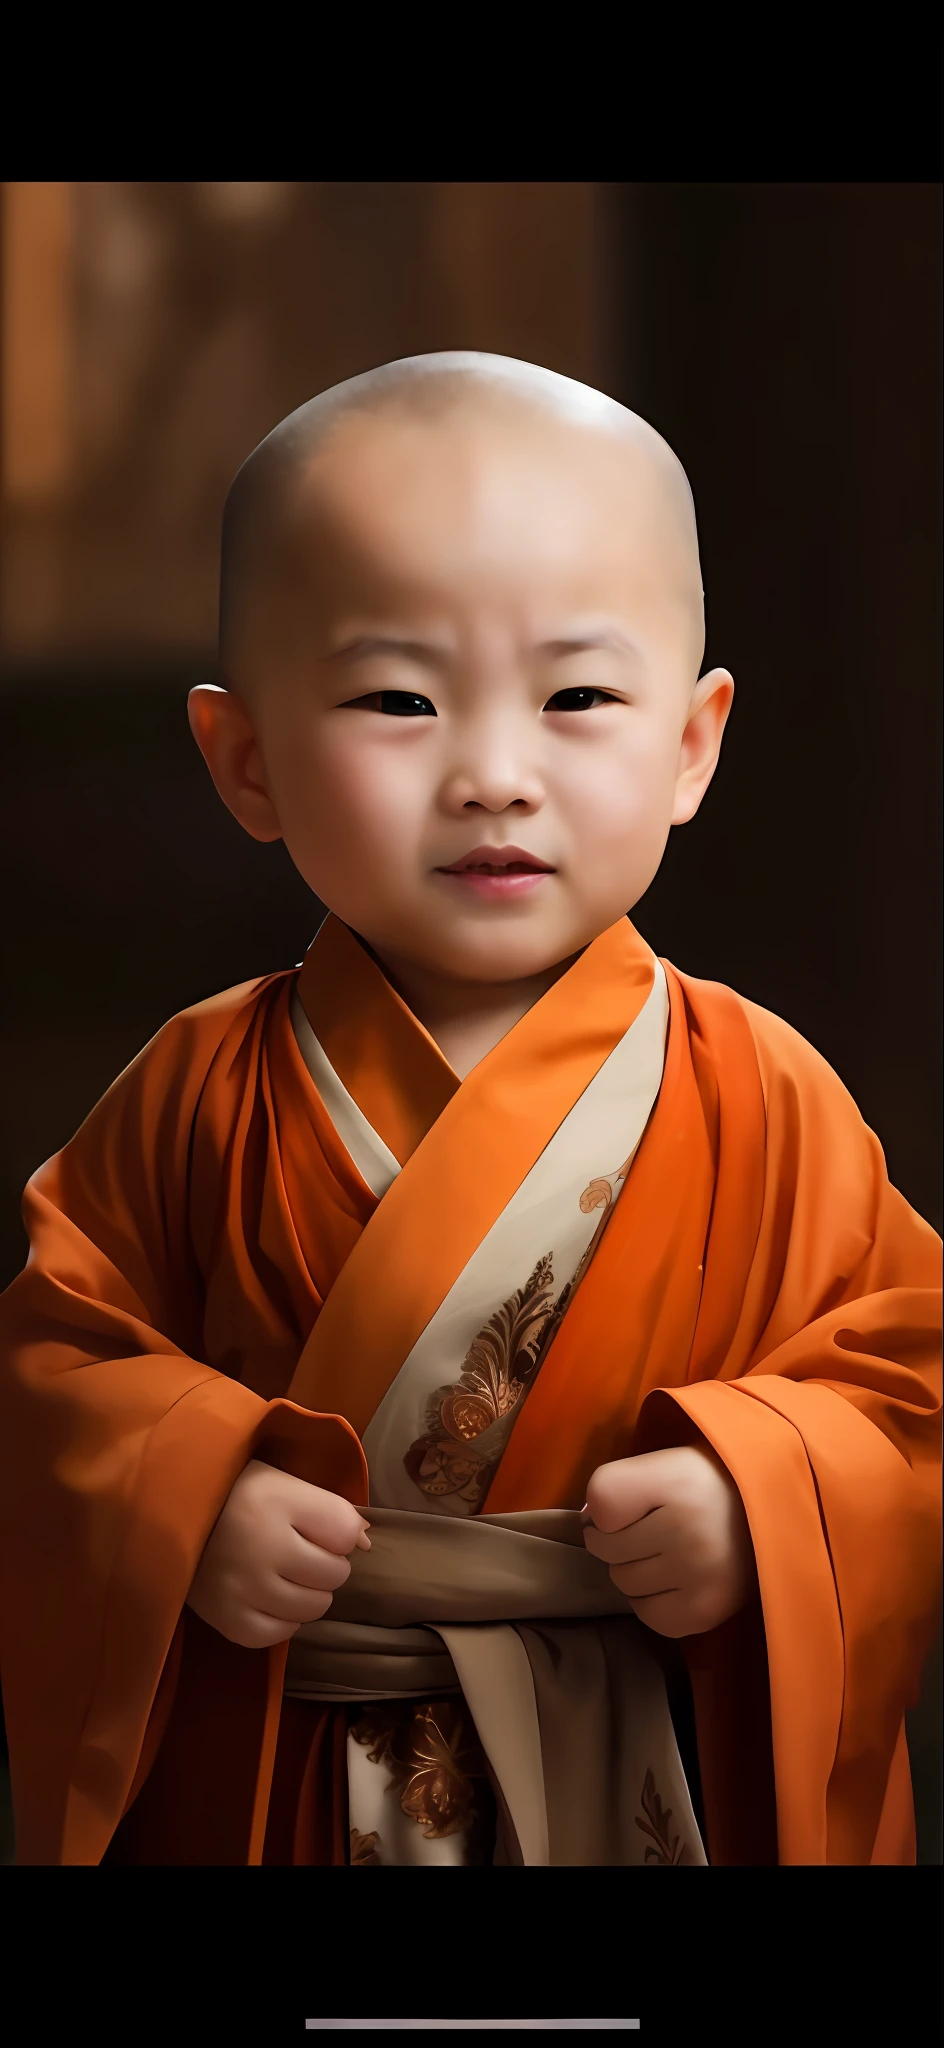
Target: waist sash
567, 1697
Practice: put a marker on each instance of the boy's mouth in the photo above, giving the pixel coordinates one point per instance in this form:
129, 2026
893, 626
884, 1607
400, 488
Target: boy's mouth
498, 871
492, 860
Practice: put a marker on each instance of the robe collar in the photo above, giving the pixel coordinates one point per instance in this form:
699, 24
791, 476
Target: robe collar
382, 1054
391, 1066
465, 1147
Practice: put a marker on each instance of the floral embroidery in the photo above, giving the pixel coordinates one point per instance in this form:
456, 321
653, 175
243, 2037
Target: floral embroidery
364, 1848
668, 1848
435, 1760
374, 1729
467, 1423
599, 1195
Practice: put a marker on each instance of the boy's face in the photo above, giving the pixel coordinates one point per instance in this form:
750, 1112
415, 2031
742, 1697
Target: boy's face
482, 639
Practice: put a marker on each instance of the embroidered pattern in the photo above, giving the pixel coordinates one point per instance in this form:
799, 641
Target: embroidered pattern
434, 1758
364, 1848
600, 1194
468, 1423
664, 1847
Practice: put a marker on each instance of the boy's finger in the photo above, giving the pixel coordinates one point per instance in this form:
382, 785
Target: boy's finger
311, 1564
327, 1519
304, 1571
259, 1631
621, 1493
633, 1545
651, 1580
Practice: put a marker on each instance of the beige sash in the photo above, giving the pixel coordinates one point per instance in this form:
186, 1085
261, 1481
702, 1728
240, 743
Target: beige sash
567, 1697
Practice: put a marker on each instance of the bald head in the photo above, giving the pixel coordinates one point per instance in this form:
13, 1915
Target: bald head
267, 491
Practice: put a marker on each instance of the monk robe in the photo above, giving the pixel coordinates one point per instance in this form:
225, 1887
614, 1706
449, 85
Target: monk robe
276, 1236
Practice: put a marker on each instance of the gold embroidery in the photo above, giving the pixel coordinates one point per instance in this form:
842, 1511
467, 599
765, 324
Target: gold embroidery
600, 1194
364, 1848
668, 1848
467, 1424
434, 1757
375, 1727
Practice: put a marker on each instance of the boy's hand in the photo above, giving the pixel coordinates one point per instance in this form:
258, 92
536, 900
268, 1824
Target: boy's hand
672, 1528
277, 1553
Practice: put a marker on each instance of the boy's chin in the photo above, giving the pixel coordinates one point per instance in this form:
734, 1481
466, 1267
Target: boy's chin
509, 956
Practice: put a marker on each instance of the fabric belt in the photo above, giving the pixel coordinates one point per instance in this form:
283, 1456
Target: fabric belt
567, 1697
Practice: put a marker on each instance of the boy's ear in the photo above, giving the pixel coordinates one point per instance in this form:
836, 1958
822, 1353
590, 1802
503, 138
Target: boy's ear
701, 742
222, 729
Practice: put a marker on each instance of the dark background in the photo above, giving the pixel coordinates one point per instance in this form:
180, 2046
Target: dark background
785, 338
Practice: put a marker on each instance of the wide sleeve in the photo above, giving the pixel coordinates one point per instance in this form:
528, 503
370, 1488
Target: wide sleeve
118, 1447
826, 1412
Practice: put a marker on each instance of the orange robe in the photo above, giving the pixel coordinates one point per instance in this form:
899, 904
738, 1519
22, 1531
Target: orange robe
211, 1279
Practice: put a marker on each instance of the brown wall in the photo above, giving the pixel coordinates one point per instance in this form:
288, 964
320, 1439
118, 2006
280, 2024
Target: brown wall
153, 333
788, 344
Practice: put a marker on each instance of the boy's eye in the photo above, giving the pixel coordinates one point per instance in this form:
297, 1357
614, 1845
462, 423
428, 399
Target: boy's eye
399, 704
577, 700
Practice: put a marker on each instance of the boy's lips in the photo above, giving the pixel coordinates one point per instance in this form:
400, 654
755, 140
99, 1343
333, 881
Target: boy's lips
497, 871
491, 857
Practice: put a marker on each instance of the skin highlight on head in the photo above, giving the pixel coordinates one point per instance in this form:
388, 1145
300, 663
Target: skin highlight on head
462, 613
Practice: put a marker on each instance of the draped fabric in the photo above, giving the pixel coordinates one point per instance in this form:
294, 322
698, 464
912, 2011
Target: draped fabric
212, 1277
561, 1705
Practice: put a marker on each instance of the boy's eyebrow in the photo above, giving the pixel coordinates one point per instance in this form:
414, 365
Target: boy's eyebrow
388, 643
425, 651
585, 643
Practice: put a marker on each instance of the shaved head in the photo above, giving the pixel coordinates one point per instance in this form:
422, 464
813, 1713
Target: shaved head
462, 614
281, 475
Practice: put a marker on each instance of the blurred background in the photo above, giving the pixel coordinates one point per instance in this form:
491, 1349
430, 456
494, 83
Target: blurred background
785, 338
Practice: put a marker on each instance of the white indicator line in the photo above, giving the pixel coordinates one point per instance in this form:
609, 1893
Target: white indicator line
612, 2026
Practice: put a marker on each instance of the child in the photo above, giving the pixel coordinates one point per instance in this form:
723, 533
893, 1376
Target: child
577, 1283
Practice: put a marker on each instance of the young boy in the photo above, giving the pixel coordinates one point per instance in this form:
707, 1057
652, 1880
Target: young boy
579, 1284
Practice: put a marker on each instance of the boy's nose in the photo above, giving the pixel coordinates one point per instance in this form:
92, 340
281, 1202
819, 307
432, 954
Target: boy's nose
494, 778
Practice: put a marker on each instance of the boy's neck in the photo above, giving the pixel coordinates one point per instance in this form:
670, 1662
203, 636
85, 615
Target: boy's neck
467, 1018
